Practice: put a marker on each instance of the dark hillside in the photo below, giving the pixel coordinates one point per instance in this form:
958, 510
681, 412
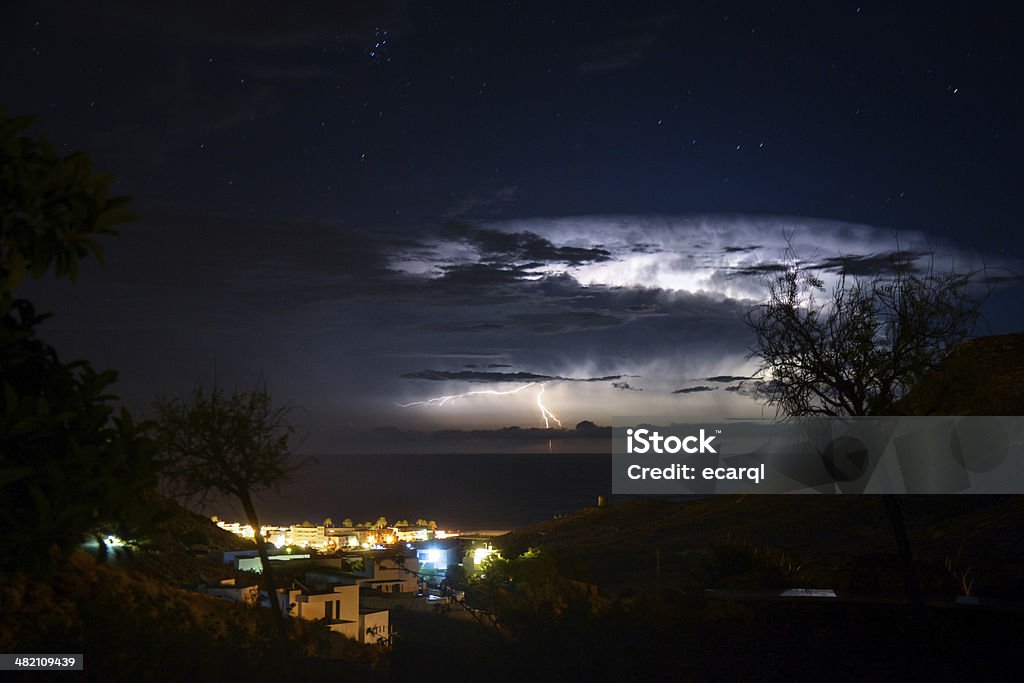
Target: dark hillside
135, 619
984, 376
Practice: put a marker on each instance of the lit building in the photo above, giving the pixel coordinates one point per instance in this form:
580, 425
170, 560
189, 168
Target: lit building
307, 536
437, 557
476, 554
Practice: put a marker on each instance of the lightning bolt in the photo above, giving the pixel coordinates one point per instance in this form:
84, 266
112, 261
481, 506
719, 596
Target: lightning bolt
545, 414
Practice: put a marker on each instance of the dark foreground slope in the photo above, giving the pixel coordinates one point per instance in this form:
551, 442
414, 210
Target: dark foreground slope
984, 376
647, 612
637, 544
134, 618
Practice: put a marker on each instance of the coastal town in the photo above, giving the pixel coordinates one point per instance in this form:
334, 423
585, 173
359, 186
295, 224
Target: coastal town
351, 575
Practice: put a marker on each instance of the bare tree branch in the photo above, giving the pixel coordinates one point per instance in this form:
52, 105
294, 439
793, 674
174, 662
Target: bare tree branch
857, 349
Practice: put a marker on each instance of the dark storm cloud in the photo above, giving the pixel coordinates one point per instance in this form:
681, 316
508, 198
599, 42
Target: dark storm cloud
733, 249
695, 390
624, 386
482, 275
528, 246
646, 248
755, 389
758, 269
726, 378
475, 376
498, 377
856, 265
869, 265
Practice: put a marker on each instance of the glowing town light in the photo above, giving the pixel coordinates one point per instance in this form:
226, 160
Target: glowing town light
112, 541
545, 414
481, 554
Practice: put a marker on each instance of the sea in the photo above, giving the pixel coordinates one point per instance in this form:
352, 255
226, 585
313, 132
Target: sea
464, 491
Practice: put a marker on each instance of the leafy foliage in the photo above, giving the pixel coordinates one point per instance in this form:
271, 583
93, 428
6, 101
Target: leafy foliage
229, 445
52, 208
69, 465
529, 594
218, 444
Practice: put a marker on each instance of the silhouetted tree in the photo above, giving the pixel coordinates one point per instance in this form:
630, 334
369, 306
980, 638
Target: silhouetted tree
70, 465
236, 445
859, 348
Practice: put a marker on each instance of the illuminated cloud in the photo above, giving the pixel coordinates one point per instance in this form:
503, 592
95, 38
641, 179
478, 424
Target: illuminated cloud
722, 256
587, 306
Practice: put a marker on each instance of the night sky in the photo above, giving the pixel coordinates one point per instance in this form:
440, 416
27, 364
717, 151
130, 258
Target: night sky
371, 204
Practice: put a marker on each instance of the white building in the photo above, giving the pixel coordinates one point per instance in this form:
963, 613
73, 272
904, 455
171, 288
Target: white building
338, 604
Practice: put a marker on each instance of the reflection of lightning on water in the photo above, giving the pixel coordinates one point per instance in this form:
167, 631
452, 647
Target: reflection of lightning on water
545, 414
